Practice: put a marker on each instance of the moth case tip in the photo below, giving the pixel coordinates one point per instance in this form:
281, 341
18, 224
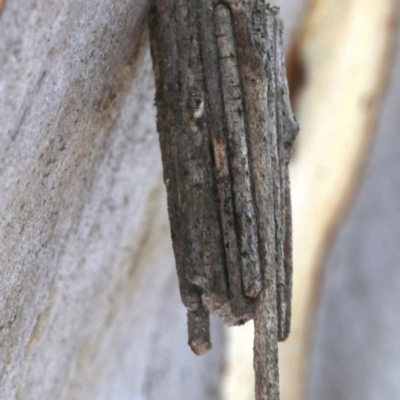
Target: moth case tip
199, 346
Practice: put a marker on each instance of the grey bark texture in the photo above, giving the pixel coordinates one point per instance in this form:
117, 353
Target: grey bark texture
226, 134
87, 282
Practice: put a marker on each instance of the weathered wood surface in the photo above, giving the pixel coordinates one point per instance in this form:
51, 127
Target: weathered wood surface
89, 305
226, 133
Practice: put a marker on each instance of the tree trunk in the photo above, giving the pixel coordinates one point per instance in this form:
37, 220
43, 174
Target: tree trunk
87, 282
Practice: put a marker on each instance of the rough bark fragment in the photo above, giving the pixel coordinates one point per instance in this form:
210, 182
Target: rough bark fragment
169, 121
216, 124
226, 131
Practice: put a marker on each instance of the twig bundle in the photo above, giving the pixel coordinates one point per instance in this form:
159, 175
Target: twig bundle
226, 133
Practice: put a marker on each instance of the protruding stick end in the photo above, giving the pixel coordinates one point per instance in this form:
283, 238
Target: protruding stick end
199, 331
